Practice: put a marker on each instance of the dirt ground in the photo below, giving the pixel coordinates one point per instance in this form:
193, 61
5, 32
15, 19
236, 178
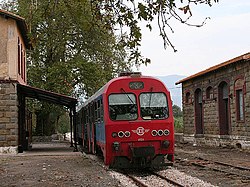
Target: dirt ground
52, 164
55, 164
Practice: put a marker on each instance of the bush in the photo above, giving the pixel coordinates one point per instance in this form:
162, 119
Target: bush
178, 124
64, 124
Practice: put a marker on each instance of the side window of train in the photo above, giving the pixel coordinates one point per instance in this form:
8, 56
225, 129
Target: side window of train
89, 114
96, 111
86, 113
92, 112
101, 110
84, 116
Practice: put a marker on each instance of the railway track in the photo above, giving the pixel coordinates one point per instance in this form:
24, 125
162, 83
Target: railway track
149, 178
152, 178
227, 168
222, 167
167, 179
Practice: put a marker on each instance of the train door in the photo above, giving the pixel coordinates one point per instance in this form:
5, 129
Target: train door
90, 128
223, 101
198, 112
86, 130
93, 129
97, 124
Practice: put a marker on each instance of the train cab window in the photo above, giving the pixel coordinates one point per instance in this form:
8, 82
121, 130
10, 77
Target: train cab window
153, 106
123, 106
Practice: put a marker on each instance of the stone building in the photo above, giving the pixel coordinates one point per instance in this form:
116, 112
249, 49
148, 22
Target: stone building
216, 104
15, 127
13, 42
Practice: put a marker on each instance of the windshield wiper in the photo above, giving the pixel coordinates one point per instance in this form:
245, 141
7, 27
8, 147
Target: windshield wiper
127, 96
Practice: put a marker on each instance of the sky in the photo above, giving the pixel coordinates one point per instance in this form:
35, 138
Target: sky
225, 36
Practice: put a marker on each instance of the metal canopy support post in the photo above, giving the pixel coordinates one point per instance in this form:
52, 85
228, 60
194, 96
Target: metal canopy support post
71, 127
74, 125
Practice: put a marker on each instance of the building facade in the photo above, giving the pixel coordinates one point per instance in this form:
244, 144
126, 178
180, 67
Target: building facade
15, 120
216, 104
13, 42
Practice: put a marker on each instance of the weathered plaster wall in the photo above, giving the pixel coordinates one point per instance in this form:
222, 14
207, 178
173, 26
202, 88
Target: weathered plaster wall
9, 33
3, 48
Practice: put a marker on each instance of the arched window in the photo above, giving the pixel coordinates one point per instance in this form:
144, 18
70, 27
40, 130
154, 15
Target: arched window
188, 98
209, 93
239, 98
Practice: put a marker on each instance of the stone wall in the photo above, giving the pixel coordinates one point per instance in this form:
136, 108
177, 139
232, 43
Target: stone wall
8, 117
239, 131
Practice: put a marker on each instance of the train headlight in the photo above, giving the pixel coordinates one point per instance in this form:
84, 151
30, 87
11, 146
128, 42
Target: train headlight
166, 132
116, 146
121, 134
160, 132
154, 132
127, 134
114, 134
165, 144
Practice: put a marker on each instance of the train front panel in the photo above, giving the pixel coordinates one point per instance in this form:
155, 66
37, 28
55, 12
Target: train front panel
139, 128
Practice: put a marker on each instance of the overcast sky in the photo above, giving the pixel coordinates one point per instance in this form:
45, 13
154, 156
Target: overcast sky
225, 36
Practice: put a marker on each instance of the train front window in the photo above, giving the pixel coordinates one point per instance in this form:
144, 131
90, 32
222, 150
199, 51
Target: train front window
153, 105
123, 106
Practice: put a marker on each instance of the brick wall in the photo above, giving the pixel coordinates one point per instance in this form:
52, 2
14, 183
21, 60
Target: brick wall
8, 115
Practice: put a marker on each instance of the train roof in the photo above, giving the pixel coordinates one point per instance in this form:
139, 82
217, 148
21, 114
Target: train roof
122, 76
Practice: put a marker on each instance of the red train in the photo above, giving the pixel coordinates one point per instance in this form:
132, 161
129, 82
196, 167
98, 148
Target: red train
129, 121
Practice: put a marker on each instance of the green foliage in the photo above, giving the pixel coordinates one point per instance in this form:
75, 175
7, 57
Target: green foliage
64, 124
47, 119
69, 45
129, 14
177, 111
76, 46
74, 52
178, 124
178, 118
109, 14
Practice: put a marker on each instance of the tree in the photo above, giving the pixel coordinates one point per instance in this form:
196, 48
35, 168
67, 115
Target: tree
76, 46
128, 14
125, 16
178, 118
177, 111
74, 53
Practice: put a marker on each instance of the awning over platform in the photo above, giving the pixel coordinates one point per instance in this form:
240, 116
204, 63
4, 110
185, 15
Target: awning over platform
50, 97
42, 95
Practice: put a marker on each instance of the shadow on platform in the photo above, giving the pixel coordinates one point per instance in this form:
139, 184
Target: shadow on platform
51, 148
